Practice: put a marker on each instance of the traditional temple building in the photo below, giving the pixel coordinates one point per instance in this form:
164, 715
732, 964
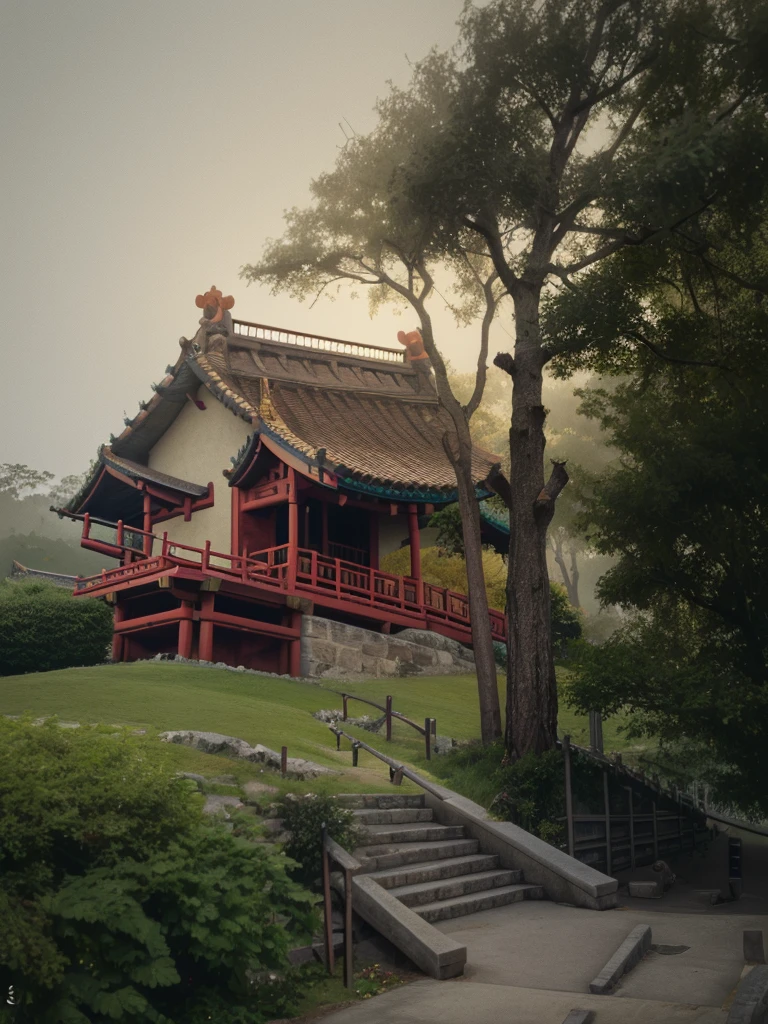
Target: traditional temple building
261, 486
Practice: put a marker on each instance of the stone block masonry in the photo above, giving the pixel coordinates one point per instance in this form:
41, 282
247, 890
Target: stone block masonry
337, 650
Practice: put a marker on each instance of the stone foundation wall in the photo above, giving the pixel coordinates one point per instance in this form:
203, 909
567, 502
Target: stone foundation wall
336, 650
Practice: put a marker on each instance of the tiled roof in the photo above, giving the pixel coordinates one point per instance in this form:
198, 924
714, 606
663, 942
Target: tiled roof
377, 419
368, 436
58, 579
139, 472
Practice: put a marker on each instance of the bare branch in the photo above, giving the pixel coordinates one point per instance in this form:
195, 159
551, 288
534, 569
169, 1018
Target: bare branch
500, 485
485, 330
652, 347
496, 248
544, 506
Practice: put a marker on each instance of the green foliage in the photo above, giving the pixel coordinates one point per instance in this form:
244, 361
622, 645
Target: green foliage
303, 818
372, 981
120, 902
43, 627
683, 512
15, 478
451, 571
566, 621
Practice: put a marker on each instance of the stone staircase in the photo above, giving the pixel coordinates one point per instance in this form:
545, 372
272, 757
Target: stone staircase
434, 869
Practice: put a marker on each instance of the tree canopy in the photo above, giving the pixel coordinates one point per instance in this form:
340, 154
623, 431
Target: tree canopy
683, 509
559, 137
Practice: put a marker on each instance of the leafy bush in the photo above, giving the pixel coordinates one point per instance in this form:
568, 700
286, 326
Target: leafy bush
43, 627
120, 902
303, 818
565, 620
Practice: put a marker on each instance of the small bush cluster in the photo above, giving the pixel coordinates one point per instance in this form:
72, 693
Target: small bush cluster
120, 902
303, 818
43, 627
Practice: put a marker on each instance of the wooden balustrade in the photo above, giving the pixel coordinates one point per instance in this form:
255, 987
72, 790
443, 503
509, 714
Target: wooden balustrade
276, 567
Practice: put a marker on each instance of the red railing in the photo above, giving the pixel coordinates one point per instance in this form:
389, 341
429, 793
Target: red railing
310, 572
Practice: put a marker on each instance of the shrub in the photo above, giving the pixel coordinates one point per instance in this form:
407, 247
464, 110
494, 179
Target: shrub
565, 619
120, 902
43, 627
303, 818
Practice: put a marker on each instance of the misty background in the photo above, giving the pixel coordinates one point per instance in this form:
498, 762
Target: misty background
150, 150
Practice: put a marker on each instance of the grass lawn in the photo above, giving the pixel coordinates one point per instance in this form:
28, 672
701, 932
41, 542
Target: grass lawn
260, 709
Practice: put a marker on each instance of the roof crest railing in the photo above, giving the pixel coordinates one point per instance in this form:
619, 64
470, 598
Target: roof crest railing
263, 332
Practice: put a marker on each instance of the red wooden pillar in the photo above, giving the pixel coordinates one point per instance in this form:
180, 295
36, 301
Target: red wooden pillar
185, 632
414, 539
294, 653
373, 540
236, 511
147, 524
118, 642
293, 529
206, 627
324, 548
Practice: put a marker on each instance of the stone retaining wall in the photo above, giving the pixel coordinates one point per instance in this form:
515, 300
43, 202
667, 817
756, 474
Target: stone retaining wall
337, 650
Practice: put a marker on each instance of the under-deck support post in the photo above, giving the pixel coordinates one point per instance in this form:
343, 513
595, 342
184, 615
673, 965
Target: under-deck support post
206, 627
118, 645
185, 632
294, 651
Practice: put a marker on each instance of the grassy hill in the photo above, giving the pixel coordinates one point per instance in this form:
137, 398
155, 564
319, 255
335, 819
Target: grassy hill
158, 696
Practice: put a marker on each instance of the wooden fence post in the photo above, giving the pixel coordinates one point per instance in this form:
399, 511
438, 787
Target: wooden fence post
568, 793
388, 713
329, 959
608, 839
348, 950
284, 761
428, 737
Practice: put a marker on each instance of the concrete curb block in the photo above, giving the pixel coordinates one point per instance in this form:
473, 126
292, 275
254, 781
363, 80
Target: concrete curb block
580, 1017
436, 954
630, 952
750, 1005
563, 878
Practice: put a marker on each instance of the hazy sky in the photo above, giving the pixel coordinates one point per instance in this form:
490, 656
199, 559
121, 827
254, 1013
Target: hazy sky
149, 149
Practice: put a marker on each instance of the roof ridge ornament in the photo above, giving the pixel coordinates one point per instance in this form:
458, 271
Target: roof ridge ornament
215, 324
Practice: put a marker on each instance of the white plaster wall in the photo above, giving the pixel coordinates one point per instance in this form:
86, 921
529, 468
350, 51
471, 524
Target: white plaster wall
197, 447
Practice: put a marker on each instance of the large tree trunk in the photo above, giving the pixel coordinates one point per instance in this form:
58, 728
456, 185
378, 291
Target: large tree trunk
531, 687
482, 641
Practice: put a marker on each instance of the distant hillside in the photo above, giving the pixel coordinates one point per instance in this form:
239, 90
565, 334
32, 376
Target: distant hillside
50, 555
34, 536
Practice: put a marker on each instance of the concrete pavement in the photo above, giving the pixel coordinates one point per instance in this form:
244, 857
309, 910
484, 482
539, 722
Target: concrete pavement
532, 962
466, 1002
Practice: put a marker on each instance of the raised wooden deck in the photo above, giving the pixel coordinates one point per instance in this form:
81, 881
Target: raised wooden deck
330, 583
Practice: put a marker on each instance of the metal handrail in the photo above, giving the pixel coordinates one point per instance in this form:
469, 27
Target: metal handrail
388, 711
332, 852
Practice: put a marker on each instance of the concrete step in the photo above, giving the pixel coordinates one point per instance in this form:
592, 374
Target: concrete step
448, 889
433, 871
399, 816
380, 858
379, 801
444, 910
419, 832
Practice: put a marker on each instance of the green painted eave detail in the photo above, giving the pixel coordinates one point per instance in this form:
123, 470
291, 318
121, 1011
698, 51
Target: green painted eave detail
493, 516
426, 495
